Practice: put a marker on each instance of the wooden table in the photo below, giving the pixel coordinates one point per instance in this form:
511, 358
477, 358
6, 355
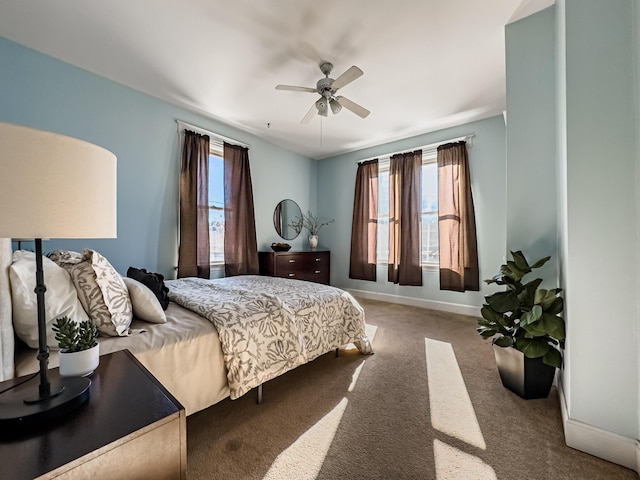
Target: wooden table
131, 427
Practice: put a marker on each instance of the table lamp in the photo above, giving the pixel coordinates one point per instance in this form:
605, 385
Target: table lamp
52, 186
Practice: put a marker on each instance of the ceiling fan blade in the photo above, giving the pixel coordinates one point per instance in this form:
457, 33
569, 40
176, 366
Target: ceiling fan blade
307, 118
291, 88
347, 77
354, 107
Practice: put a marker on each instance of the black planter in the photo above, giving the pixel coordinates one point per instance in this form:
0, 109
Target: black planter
527, 377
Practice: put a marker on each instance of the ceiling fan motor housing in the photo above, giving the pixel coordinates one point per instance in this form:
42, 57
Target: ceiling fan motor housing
324, 86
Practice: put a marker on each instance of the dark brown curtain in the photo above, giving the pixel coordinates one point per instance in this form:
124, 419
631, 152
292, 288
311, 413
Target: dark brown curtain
240, 245
364, 225
456, 221
405, 218
193, 252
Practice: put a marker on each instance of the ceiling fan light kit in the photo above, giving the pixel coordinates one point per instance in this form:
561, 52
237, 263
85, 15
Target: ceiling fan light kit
327, 88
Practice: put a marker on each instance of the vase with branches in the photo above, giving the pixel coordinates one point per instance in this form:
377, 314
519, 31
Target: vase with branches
312, 224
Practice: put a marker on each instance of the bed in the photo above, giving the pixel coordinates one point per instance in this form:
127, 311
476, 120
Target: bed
221, 338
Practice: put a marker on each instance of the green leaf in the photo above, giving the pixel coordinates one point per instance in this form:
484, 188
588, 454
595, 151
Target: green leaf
484, 323
503, 341
532, 347
486, 333
553, 358
528, 294
531, 317
556, 306
554, 326
491, 316
548, 325
541, 262
503, 302
535, 283
545, 298
520, 261
515, 272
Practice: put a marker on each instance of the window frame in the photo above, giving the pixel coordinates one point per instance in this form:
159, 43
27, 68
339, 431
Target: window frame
384, 164
216, 149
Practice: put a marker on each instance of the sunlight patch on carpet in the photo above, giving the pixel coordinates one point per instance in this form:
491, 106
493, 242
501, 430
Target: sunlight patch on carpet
370, 331
454, 464
354, 377
304, 458
451, 408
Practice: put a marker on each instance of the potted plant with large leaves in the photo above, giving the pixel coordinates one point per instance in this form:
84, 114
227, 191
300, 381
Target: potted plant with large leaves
526, 329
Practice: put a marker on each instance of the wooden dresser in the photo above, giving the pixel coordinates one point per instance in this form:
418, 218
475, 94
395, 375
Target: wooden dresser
310, 265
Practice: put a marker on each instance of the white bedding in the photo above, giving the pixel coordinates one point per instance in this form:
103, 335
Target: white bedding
184, 354
268, 326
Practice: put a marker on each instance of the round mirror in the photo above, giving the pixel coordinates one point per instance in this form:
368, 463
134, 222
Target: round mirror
286, 212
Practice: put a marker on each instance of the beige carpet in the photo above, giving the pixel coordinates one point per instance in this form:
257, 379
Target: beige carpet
428, 405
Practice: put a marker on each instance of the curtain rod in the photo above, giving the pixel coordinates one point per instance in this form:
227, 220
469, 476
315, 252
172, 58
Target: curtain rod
432, 146
182, 125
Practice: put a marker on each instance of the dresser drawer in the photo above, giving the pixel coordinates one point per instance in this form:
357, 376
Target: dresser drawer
311, 266
297, 263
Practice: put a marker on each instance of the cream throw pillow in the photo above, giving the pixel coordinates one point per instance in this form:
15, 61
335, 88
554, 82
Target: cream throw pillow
144, 302
60, 298
102, 292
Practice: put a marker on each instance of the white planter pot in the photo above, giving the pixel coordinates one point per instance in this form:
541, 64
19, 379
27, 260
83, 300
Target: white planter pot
313, 241
79, 364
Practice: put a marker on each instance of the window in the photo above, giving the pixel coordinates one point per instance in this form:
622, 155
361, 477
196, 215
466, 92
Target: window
430, 249
216, 204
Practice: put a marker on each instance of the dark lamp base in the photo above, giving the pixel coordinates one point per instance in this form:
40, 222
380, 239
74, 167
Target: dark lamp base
22, 408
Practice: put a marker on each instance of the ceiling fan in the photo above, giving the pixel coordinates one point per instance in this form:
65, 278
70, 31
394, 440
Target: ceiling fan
327, 88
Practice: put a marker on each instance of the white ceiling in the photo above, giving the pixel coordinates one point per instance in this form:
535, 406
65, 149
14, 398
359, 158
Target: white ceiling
428, 64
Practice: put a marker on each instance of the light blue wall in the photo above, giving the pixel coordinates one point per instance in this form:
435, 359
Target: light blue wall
531, 146
600, 270
41, 92
336, 181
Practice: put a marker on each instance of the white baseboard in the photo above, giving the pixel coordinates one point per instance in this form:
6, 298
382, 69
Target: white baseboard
615, 448
417, 302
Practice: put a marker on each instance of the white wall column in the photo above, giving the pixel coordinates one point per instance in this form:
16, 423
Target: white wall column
599, 236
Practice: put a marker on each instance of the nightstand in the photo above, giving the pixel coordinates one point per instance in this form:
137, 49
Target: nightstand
131, 427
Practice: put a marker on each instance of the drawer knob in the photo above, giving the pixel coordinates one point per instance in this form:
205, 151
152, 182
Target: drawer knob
317, 271
292, 261
292, 274
317, 259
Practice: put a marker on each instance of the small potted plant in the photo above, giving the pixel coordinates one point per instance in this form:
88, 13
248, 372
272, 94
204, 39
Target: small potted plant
79, 348
312, 224
525, 327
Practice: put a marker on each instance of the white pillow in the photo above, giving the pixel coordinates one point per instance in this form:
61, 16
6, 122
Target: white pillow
144, 302
61, 298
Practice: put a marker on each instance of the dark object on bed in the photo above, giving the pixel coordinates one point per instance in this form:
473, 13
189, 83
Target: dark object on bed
280, 247
154, 281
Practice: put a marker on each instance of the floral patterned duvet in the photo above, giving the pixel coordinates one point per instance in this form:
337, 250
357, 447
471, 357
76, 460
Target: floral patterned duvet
268, 326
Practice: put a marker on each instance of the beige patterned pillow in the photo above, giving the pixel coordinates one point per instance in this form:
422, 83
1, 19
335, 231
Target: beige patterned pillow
103, 293
65, 258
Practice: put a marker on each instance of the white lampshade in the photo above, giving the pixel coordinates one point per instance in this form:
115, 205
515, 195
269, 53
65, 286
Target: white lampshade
54, 186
